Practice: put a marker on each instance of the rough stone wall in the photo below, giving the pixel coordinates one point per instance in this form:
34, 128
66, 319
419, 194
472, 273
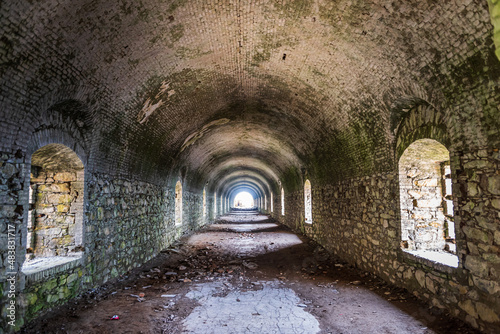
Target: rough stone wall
52, 290
421, 197
359, 220
11, 219
495, 20
130, 222
127, 222
52, 222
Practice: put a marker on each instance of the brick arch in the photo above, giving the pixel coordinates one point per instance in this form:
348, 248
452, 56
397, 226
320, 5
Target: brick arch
421, 122
51, 135
72, 108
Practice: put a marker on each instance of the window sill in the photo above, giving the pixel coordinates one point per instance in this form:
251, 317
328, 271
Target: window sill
442, 261
40, 268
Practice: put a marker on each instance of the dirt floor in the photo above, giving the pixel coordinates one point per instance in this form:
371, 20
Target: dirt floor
246, 274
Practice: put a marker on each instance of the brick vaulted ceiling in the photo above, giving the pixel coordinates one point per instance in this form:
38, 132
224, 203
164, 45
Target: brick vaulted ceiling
259, 89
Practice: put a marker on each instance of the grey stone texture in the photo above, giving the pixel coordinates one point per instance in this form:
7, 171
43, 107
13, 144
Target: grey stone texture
257, 96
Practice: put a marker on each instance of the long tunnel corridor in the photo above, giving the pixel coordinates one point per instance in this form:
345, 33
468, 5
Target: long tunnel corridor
247, 274
367, 130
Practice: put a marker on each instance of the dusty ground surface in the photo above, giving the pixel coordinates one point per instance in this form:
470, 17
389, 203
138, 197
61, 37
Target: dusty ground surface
246, 274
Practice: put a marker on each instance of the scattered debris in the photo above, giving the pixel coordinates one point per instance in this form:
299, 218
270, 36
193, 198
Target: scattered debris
139, 298
250, 265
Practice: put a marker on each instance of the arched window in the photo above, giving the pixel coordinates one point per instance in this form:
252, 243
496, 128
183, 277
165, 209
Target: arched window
215, 204
204, 204
272, 203
55, 221
178, 203
308, 202
282, 202
427, 224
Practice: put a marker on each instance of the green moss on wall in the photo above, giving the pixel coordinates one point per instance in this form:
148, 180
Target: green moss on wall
494, 6
295, 8
188, 53
176, 4
176, 32
349, 153
291, 179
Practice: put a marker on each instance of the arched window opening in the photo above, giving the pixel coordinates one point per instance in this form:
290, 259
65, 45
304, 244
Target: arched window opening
265, 202
204, 204
215, 204
55, 217
178, 203
244, 200
282, 202
272, 203
308, 202
427, 224
221, 205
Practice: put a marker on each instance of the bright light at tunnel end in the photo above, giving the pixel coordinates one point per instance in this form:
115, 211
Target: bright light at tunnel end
243, 200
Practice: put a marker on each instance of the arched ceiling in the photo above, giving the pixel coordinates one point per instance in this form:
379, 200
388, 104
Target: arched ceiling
263, 90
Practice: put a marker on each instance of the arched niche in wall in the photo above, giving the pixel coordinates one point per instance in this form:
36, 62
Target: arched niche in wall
178, 203
427, 223
282, 202
308, 202
204, 203
55, 214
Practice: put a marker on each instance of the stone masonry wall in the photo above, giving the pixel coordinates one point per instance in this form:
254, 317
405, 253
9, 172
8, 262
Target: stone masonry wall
11, 225
129, 222
126, 223
359, 220
422, 214
53, 290
52, 222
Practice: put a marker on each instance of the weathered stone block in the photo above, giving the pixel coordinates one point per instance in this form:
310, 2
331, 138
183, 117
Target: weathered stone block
478, 164
420, 276
477, 234
468, 307
429, 283
497, 237
488, 286
65, 177
72, 278
473, 189
427, 183
486, 313
494, 184
477, 265
430, 203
